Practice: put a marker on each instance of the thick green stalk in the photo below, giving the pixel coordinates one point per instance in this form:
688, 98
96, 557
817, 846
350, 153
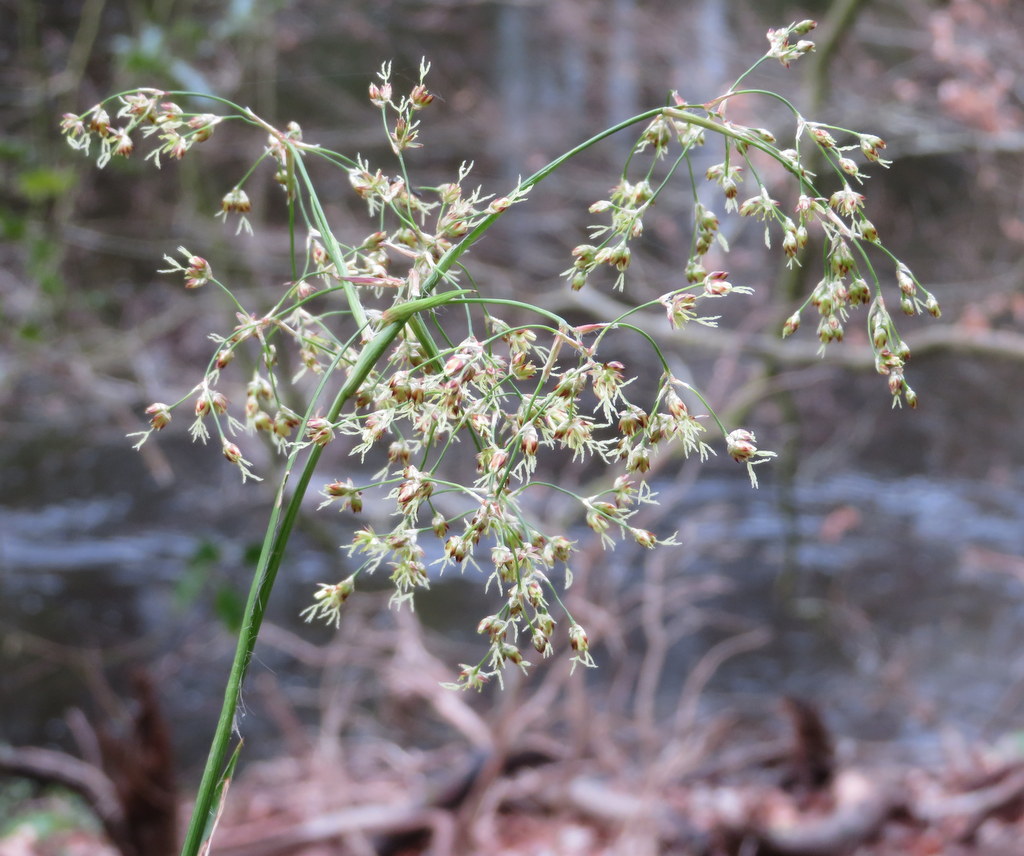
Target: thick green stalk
279, 531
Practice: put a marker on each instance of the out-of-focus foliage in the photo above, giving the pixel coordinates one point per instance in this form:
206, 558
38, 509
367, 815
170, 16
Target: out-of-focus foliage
519, 82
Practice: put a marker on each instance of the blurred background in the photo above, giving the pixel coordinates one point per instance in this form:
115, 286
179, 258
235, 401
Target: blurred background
877, 573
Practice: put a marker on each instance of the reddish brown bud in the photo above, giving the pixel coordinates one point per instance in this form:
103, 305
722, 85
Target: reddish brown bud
578, 638
740, 445
99, 122
380, 95
539, 641
420, 97
236, 200
160, 415
319, 431
124, 146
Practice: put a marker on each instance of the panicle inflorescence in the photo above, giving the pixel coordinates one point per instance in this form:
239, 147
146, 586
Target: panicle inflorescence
513, 395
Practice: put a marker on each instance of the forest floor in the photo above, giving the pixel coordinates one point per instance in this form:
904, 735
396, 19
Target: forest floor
729, 794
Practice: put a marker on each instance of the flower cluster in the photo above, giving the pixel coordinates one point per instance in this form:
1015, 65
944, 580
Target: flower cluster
404, 129
393, 375
848, 233
144, 110
850, 278
627, 203
417, 408
780, 47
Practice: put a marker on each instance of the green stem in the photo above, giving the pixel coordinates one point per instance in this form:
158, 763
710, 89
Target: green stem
278, 533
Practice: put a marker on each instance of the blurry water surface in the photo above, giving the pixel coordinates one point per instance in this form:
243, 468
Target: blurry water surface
897, 604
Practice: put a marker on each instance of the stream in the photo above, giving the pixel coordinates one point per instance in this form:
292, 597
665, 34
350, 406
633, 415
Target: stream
897, 604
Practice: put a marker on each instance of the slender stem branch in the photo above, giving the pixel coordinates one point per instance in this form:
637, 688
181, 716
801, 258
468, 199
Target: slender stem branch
279, 531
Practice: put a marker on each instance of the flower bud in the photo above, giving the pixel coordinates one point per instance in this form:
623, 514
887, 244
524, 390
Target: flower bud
906, 280
319, 431
870, 146
578, 638
741, 445
100, 122
620, 257
849, 166
420, 97
497, 461
198, 272
455, 364
124, 145
456, 548
822, 137
560, 547
644, 538
540, 642
695, 271
203, 126
858, 292
535, 593
841, 260
529, 439
380, 95
159, 415
706, 220
638, 460
493, 626
632, 420
399, 452
236, 200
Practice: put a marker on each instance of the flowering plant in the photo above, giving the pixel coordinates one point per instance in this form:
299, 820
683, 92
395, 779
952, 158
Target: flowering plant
401, 355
